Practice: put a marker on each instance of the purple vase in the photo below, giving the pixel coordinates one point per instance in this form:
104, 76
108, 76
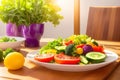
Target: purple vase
13, 30
33, 34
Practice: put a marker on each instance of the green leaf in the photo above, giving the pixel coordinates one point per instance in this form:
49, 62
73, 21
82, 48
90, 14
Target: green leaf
26, 12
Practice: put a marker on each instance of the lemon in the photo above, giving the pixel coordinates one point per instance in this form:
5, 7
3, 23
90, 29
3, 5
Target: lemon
14, 61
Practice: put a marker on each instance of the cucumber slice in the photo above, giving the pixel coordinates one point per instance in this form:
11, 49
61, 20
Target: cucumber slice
83, 59
96, 57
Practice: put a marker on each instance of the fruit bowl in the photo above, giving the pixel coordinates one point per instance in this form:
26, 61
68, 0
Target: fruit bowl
11, 44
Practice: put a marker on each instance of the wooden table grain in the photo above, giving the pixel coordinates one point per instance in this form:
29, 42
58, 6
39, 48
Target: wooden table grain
32, 71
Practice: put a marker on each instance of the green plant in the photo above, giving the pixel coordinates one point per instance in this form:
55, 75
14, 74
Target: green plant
26, 12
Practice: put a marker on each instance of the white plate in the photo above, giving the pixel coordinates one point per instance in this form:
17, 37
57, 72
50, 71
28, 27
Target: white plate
14, 45
111, 57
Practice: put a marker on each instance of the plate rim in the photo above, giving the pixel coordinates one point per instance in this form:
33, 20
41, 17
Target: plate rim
67, 65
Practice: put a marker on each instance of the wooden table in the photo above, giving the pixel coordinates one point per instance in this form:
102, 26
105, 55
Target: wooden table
31, 71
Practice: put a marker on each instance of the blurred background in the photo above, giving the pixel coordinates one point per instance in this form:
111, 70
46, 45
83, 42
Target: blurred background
65, 28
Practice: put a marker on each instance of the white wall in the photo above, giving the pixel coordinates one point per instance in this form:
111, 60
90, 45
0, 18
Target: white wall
85, 4
65, 28
2, 29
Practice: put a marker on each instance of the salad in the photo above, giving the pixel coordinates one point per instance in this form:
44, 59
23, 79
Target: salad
7, 39
76, 49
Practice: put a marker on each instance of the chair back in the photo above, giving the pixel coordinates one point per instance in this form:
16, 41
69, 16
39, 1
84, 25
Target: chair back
104, 23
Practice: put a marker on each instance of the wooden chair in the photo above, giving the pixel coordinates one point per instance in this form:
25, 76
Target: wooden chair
104, 23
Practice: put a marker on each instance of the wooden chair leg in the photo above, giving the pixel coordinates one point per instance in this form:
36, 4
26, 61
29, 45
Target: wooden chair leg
76, 17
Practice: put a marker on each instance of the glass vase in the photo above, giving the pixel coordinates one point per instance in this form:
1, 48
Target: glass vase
13, 30
32, 34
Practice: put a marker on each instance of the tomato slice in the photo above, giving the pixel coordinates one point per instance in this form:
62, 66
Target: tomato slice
98, 48
44, 57
65, 59
67, 42
80, 46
